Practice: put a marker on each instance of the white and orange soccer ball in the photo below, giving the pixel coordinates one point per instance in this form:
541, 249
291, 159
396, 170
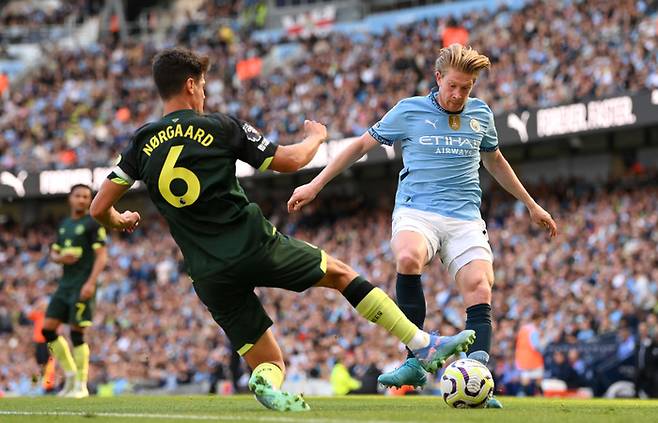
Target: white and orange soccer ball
466, 383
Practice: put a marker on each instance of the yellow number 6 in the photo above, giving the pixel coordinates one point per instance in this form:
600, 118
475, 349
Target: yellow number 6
169, 173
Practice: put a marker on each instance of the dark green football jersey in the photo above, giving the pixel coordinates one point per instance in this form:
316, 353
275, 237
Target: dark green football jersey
79, 237
188, 161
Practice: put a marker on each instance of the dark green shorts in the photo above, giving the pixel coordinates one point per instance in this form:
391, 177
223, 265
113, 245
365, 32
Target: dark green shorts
65, 306
285, 263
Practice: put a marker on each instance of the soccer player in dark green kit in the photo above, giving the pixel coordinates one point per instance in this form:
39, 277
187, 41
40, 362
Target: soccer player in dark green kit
187, 160
80, 248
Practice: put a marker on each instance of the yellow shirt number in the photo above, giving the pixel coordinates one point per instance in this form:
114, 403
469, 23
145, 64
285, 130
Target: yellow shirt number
169, 173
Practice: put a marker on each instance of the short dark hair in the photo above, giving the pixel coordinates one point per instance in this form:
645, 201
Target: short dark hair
76, 186
173, 66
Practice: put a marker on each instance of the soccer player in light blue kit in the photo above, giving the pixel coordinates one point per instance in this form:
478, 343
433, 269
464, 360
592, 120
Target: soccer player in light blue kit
443, 136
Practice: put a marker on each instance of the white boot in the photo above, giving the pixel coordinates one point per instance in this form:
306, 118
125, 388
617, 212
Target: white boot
80, 391
69, 384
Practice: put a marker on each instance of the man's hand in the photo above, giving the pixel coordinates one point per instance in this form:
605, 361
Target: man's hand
301, 197
543, 218
68, 259
129, 220
87, 291
315, 129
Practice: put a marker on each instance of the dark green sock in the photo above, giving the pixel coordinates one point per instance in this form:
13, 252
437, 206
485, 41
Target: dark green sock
411, 300
478, 318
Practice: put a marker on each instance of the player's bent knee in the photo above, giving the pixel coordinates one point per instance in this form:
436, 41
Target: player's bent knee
409, 263
477, 291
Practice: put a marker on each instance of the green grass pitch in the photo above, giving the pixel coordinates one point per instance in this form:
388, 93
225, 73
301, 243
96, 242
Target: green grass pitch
371, 409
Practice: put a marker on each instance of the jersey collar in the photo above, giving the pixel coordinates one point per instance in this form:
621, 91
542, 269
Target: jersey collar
432, 96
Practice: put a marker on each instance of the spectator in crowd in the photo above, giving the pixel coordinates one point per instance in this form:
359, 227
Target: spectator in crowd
561, 369
580, 280
647, 358
82, 104
529, 355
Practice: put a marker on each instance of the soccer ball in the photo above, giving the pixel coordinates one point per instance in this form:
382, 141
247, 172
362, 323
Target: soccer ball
467, 383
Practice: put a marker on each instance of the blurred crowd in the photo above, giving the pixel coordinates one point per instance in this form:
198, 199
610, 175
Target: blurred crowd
82, 106
30, 21
598, 278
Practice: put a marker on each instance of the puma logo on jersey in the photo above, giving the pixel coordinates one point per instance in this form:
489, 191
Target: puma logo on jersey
429, 122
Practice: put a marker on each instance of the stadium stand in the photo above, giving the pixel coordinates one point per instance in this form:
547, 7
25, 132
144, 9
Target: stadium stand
79, 109
151, 331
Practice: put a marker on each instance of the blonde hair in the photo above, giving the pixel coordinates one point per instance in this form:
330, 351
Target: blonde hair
462, 59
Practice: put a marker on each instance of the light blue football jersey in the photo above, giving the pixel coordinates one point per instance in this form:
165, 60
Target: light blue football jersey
440, 153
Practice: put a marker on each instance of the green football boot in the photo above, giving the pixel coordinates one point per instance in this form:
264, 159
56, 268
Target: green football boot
275, 399
483, 358
410, 373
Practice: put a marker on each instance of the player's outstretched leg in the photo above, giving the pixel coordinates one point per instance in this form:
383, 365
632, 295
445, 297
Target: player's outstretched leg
373, 304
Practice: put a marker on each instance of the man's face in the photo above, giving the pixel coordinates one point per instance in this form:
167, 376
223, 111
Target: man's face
198, 93
454, 89
80, 200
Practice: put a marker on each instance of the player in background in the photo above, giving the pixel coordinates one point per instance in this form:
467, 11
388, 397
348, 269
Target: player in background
187, 160
80, 249
443, 136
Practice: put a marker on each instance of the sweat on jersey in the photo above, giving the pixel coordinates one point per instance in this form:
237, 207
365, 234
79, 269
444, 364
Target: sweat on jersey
440, 153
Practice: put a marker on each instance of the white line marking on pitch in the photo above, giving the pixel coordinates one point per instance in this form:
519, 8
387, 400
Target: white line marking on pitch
177, 416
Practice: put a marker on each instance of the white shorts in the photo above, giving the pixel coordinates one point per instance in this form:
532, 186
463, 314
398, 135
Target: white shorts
456, 241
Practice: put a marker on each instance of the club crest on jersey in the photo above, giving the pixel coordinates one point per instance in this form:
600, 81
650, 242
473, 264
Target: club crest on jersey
454, 121
475, 125
252, 133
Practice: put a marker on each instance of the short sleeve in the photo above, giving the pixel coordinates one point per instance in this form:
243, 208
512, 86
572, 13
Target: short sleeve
391, 127
126, 172
490, 138
251, 146
97, 235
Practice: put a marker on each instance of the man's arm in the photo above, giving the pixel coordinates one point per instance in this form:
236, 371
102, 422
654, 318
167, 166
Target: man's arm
291, 158
57, 257
89, 286
306, 193
103, 211
499, 168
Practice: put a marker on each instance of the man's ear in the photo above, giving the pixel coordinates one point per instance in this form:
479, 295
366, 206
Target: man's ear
189, 85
